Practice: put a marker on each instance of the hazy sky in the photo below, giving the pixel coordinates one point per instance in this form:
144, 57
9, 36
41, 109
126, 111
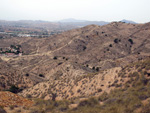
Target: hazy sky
50, 10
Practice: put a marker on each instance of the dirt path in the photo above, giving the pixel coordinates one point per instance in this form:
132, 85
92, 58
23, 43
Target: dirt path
104, 62
46, 53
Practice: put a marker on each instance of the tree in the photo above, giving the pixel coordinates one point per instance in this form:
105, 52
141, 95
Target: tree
55, 58
97, 69
27, 74
116, 40
131, 41
93, 68
12, 46
14, 89
110, 45
41, 75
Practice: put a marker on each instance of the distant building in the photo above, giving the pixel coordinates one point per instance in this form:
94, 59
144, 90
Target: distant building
24, 35
10, 54
12, 51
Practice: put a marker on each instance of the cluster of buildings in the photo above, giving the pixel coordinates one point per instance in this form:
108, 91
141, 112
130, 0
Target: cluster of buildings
13, 34
12, 51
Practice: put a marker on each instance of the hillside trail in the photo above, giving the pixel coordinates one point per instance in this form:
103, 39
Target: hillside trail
49, 53
107, 60
46, 54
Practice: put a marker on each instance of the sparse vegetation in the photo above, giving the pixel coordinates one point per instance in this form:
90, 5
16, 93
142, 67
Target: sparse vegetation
100, 90
11, 107
93, 68
28, 96
117, 40
55, 58
87, 67
97, 69
41, 75
131, 41
14, 89
27, 74
110, 45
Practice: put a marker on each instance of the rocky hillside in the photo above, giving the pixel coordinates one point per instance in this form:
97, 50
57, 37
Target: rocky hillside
12, 76
109, 63
129, 93
71, 63
10, 99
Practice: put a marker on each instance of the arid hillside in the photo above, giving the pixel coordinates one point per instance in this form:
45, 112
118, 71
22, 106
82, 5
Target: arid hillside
77, 63
127, 92
12, 76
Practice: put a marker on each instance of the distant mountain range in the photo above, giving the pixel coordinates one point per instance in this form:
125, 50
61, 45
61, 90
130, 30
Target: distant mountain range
87, 22
61, 25
72, 20
82, 23
128, 21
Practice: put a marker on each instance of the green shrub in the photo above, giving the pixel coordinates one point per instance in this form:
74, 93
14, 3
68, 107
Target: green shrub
117, 40
110, 45
41, 75
97, 68
55, 58
131, 41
